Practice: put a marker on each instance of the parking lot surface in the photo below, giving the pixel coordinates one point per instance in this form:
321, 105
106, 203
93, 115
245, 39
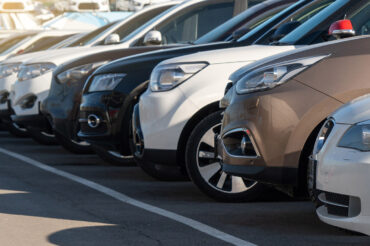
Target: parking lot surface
93, 203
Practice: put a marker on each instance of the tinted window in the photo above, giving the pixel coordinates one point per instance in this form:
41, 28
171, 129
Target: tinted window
187, 27
361, 20
242, 20
10, 42
307, 28
44, 43
300, 16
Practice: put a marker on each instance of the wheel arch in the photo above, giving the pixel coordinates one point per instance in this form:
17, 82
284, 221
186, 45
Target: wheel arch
303, 158
189, 127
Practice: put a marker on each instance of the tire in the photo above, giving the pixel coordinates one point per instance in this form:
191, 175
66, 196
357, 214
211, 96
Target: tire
113, 157
41, 137
161, 172
74, 146
205, 171
16, 130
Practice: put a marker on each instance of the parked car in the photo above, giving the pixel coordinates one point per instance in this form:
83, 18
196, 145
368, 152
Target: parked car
16, 6
183, 130
341, 159
104, 35
172, 27
88, 5
16, 44
62, 109
113, 134
271, 122
136, 5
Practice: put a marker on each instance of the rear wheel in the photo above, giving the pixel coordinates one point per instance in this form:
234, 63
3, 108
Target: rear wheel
42, 137
113, 157
204, 168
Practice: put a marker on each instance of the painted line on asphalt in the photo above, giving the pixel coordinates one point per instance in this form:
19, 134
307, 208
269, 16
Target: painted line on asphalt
213, 232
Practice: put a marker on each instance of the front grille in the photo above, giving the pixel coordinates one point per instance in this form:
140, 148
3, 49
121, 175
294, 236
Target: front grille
337, 198
88, 6
336, 204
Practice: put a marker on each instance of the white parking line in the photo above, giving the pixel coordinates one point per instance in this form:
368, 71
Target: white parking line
126, 199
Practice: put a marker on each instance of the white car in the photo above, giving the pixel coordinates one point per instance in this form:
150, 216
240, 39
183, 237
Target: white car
18, 43
107, 34
139, 4
34, 77
342, 163
178, 117
88, 5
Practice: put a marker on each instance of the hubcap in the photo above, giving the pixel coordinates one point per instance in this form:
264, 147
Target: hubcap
209, 166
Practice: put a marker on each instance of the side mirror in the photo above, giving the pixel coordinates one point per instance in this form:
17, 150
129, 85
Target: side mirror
153, 38
240, 33
284, 30
342, 29
112, 39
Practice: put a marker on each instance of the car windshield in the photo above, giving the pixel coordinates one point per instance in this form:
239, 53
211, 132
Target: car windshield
301, 31
7, 45
149, 23
45, 43
228, 27
91, 35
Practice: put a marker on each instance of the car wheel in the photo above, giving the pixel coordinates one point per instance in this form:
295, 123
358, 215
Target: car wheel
204, 168
16, 130
42, 137
113, 157
74, 146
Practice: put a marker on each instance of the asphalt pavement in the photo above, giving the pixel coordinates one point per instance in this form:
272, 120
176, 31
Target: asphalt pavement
49, 196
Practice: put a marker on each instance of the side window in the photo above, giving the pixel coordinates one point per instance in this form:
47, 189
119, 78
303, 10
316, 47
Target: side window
189, 27
361, 20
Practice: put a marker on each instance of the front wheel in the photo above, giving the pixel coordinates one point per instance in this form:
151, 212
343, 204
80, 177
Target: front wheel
204, 168
113, 157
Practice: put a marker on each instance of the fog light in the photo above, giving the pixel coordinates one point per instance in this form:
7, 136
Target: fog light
28, 102
93, 121
239, 142
4, 97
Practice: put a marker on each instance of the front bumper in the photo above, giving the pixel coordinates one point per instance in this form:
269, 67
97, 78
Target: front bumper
279, 121
37, 87
5, 89
32, 121
160, 156
106, 107
342, 177
61, 107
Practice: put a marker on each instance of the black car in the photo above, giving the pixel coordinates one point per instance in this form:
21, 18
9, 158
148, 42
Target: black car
61, 106
105, 114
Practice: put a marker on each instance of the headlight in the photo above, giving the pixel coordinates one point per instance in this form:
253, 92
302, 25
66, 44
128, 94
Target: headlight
106, 82
273, 75
357, 137
34, 70
8, 69
166, 77
77, 73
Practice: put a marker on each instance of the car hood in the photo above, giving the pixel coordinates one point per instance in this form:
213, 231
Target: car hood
355, 111
60, 56
231, 55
